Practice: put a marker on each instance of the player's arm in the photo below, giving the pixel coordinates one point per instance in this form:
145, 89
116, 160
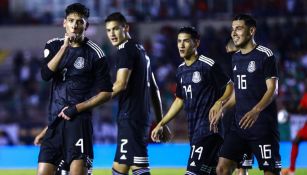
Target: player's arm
102, 84
172, 113
157, 106
156, 98
250, 117
216, 110
122, 79
38, 139
51, 66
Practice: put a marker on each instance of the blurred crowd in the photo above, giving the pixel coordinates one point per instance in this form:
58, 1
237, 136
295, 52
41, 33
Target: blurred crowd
24, 96
47, 12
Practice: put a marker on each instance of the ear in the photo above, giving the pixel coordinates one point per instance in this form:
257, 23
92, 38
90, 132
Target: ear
64, 23
126, 28
86, 25
197, 43
252, 31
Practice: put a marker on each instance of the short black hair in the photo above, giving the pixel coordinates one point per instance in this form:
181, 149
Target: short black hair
116, 16
190, 30
248, 19
77, 8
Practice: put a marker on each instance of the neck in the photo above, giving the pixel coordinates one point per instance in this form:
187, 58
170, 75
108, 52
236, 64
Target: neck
248, 47
190, 60
78, 42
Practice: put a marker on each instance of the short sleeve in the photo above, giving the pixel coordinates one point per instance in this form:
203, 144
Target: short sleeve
178, 87
125, 58
102, 74
219, 76
270, 67
50, 51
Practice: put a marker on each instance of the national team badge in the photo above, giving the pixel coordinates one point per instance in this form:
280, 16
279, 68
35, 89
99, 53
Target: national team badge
196, 77
251, 67
79, 63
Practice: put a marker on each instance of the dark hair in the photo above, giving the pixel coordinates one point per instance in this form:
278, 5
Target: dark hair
116, 16
190, 30
248, 19
77, 8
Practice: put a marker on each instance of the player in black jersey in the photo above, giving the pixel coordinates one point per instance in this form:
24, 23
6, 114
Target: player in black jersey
135, 86
80, 79
199, 84
228, 118
256, 83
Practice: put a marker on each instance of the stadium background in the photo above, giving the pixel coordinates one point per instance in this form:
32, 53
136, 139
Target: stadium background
26, 25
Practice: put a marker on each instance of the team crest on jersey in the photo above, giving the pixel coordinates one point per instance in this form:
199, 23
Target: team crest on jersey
79, 63
251, 67
196, 77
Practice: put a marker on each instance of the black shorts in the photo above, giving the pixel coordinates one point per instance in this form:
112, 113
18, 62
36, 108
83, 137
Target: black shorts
132, 143
247, 161
68, 141
204, 155
265, 149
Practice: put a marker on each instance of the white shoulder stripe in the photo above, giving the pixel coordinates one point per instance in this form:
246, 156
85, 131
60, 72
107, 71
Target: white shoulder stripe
205, 61
122, 45
96, 48
265, 50
54, 39
206, 58
181, 64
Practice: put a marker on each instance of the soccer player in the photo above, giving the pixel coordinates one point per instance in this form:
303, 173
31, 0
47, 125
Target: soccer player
300, 137
228, 118
80, 79
256, 83
135, 85
199, 91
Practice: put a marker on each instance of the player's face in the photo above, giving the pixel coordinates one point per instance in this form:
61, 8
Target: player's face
186, 45
117, 33
240, 33
75, 24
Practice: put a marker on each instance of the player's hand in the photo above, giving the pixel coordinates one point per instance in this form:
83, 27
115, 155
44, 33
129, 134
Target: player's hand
69, 38
38, 139
215, 109
249, 119
214, 120
156, 132
166, 134
68, 112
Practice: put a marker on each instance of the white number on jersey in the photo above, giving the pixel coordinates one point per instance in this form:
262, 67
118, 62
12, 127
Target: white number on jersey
124, 142
241, 81
199, 150
265, 151
188, 90
80, 143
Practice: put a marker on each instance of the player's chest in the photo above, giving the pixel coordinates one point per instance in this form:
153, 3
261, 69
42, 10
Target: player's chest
76, 62
248, 67
193, 80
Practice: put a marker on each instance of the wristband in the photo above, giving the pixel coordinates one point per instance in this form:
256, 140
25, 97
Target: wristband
71, 111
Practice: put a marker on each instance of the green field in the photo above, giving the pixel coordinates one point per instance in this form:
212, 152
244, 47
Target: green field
154, 171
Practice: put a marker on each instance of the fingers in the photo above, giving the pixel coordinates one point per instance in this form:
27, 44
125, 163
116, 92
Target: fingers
247, 121
155, 135
62, 115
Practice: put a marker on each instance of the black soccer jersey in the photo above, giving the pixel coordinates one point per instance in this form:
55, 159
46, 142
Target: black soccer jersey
250, 72
134, 100
82, 72
199, 85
